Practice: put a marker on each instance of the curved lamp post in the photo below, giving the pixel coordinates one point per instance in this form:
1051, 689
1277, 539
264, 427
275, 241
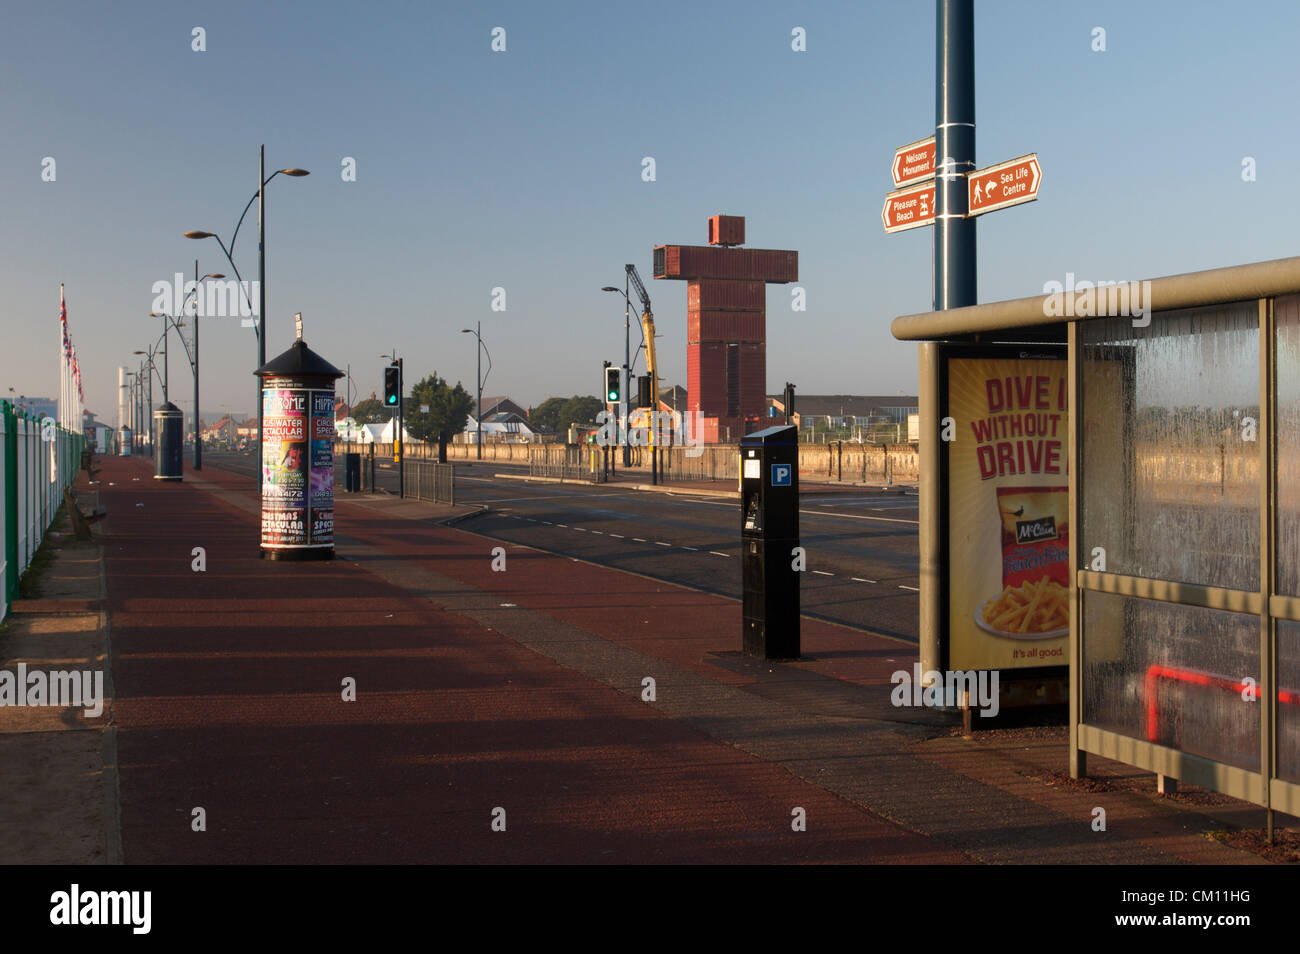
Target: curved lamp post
481, 378
260, 320
193, 356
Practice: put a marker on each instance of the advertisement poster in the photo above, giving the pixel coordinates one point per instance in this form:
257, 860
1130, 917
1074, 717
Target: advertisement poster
284, 466
322, 467
1008, 513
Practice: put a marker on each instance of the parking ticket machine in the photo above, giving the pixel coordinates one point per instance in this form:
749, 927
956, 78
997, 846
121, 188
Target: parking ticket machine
769, 536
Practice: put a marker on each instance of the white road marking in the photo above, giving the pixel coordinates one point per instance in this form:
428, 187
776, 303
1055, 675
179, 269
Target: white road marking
914, 589
696, 549
858, 516
660, 543
716, 553
619, 535
820, 513
823, 573
639, 540
601, 532
580, 529
858, 579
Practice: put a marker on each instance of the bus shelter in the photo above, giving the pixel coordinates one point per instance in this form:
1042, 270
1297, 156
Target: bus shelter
1176, 513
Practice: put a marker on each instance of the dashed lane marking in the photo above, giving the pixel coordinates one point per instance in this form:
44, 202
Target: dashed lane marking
914, 589
823, 573
716, 553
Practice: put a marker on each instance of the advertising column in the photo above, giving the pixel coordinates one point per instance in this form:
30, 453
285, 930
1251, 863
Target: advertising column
298, 455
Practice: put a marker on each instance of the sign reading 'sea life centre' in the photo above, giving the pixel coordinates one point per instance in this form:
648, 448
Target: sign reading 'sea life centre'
298, 455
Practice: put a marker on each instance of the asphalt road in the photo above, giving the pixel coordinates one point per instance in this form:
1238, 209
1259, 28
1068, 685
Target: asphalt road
861, 549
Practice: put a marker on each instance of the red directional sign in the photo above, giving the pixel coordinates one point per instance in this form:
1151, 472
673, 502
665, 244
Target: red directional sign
913, 162
1007, 183
909, 208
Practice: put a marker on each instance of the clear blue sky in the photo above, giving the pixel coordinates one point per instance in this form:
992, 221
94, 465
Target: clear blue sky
523, 170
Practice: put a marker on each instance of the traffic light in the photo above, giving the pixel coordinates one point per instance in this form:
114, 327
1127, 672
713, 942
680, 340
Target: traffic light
613, 391
392, 388
643, 391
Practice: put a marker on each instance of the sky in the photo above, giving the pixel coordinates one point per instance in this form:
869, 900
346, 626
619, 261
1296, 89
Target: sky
522, 170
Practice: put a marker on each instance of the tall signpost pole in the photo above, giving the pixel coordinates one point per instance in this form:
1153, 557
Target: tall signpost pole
954, 134
954, 281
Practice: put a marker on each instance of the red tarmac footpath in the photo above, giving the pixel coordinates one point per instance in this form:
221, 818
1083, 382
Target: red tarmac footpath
229, 684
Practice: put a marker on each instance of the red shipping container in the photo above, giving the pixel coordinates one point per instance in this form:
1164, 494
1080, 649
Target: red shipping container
732, 326
739, 264
720, 295
727, 230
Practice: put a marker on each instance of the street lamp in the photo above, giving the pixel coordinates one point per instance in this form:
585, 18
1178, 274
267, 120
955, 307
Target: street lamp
627, 365
482, 379
260, 325
192, 356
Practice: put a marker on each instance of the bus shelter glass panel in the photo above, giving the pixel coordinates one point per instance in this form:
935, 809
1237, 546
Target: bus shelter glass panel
1173, 675
1287, 322
1171, 447
1288, 704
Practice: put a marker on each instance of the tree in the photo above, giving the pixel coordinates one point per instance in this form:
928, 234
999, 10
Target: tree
370, 411
448, 412
556, 414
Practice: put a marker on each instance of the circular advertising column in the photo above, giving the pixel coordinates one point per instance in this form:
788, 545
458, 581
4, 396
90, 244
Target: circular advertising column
298, 455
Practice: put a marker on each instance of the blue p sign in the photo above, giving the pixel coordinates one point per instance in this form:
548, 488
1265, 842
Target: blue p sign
780, 475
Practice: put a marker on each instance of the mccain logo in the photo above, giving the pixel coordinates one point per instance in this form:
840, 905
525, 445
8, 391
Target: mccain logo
1035, 531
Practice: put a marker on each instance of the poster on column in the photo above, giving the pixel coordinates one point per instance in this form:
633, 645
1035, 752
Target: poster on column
1008, 509
322, 467
284, 466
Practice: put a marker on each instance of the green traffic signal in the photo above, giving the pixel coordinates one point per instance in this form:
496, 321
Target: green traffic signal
392, 386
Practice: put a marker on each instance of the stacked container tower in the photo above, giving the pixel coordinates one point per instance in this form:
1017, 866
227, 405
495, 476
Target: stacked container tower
726, 324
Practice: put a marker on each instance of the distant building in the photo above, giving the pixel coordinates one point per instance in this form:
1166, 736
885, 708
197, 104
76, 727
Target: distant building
504, 427
497, 405
225, 431
673, 396
99, 436
37, 406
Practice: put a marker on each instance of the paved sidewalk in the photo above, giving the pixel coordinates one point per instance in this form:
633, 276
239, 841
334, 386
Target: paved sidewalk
523, 690
58, 800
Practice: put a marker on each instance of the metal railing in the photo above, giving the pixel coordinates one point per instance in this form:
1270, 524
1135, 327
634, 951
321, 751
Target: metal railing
569, 462
429, 480
38, 459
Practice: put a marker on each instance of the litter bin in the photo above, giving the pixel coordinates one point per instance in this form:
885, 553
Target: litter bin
769, 534
169, 459
298, 455
352, 472
124, 438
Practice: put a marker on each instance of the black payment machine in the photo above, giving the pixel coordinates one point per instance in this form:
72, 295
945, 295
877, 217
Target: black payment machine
769, 536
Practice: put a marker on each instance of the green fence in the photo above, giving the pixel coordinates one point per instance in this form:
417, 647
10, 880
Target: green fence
38, 460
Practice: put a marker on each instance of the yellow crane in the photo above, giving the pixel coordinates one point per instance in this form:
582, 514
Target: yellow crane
648, 329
